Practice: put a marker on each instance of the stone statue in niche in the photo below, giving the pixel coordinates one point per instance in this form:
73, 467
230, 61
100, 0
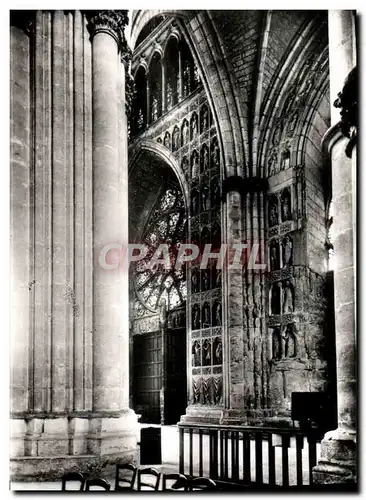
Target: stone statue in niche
286, 205
196, 75
206, 316
275, 299
276, 344
274, 255
272, 161
167, 140
216, 314
176, 139
290, 342
205, 280
204, 158
287, 251
185, 164
273, 211
195, 202
288, 298
206, 352
194, 126
277, 133
195, 317
217, 278
205, 202
217, 351
185, 133
215, 153
196, 353
196, 389
169, 96
194, 161
286, 155
194, 282
204, 118
292, 123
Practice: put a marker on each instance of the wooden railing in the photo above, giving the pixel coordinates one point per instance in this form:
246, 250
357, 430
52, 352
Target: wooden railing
248, 455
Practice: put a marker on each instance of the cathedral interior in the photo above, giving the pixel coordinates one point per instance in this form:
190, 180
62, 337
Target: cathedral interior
203, 127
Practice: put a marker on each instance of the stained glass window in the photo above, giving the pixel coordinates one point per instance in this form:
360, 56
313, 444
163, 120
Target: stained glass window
166, 226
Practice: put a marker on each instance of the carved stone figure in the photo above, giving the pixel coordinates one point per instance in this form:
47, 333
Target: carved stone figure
195, 168
286, 205
290, 342
272, 161
256, 313
204, 119
215, 192
195, 284
176, 139
217, 314
217, 351
196, 353
206, 352
287, 251
195, 201
273, 211
215, 154
274, 256
185, 133
218, 278
194, 126
205, 199
286, 155
185, 164
288, 299
205, 280
205, 158
167, 140
206, 316
195, 317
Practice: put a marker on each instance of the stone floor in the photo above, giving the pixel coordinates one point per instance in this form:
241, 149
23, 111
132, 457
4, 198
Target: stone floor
170, 457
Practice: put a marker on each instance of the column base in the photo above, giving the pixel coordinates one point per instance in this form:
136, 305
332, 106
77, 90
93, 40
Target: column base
45, 448
337, 463
196, 414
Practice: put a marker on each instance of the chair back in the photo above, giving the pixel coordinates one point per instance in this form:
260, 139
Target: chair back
127, 481
99, 482
70, 477
143, 485
178, 479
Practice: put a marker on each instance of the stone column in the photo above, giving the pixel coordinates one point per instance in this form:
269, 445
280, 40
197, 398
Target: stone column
337, 463
110, 216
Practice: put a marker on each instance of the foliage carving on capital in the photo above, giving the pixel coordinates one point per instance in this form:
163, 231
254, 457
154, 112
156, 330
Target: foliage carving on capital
347, 102
112, 22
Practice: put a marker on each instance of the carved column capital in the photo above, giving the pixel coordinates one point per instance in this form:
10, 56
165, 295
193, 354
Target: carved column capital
347, 102
112, 22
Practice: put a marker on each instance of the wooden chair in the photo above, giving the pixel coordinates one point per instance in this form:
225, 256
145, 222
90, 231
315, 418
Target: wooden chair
72, 476
149, 471
201, 483
177, 478
128, 480
97, 481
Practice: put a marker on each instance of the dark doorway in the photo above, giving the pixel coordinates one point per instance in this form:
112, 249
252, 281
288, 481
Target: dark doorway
147, 376
175, 398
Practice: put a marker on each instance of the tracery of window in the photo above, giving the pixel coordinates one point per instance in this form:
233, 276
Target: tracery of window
166, 225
